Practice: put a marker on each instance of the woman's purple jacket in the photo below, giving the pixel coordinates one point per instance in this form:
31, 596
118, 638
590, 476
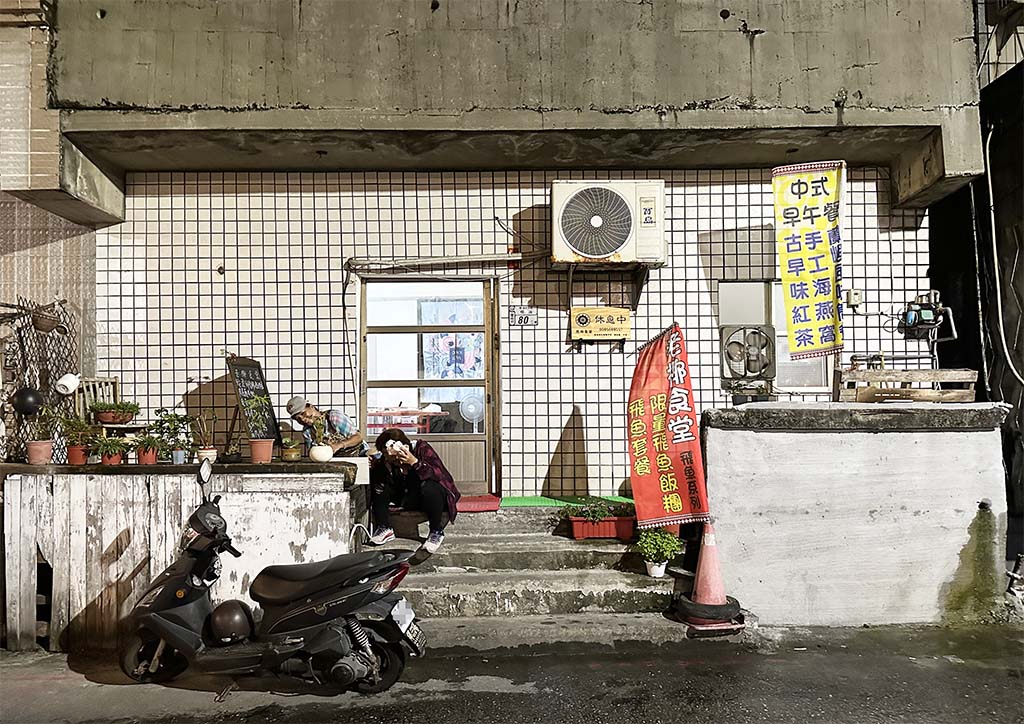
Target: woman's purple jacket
430, 467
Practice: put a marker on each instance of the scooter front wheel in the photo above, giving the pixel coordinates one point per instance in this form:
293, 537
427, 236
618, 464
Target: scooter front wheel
137, 653
392, 663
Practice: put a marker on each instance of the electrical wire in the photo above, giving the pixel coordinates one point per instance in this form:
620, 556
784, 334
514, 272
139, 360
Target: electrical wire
995, 259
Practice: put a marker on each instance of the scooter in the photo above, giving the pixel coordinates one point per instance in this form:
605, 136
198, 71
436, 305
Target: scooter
335, 623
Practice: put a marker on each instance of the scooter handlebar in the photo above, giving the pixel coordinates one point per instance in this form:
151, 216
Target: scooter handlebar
232, 550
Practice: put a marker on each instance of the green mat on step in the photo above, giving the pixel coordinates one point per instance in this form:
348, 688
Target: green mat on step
543, 501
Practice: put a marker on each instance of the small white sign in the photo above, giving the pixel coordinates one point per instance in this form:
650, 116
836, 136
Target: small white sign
520, 315
648, 211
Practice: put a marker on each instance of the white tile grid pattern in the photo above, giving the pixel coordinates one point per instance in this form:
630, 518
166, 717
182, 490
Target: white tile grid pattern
165, 313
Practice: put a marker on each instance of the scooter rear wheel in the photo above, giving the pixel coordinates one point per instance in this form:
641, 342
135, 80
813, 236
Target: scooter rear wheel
392, 664
139, 649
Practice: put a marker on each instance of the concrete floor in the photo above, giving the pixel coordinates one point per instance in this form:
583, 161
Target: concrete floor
861, 675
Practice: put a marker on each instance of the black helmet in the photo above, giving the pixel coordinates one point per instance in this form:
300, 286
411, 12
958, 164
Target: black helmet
231, 621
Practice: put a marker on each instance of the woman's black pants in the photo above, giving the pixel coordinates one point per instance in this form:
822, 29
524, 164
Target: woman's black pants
429, 497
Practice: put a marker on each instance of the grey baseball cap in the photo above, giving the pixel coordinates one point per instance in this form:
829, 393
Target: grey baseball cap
296, 405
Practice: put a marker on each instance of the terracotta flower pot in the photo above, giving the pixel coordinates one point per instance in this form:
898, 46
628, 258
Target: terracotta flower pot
40, 452
112, 459
146, 456
620, 527
291, 454
78, 454
112, 417
261, 451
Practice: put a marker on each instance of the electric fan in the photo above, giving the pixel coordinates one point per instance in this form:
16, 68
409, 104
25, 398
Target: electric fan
472, 410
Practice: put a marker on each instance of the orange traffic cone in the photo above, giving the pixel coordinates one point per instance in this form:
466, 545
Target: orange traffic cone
708, 604
708, 587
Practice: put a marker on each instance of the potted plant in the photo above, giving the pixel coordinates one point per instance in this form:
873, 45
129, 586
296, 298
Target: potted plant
232, 452
175, 430
111, 449
202, 427
261, 450
291, 450
39, 447
76, 434
148, 449
114, 413
601, 519
321, 451
657, 547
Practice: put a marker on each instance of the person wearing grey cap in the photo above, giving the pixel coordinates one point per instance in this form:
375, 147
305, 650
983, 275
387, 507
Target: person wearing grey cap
336, 422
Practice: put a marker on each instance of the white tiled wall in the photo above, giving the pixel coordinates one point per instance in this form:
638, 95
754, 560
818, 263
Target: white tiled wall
165, 312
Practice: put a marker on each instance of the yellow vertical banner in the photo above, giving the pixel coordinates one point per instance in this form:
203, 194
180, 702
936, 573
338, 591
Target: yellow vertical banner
808, 200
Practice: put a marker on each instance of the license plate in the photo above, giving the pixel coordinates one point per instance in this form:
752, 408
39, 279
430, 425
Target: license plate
414, 635
403, 615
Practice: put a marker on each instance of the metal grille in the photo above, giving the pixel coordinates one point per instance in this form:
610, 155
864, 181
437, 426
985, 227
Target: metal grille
41, 348
596, 222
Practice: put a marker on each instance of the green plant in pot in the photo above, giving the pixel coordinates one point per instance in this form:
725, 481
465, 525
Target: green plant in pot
598, 518
203, 425
322, 449
39, 448
110, 449
232, 452
76, 433
261, 450
175, 430
114, 413
657, 547
291, 450
149, 448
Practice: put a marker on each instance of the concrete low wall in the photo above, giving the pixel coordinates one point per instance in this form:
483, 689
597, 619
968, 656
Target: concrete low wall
867, 524
107, 532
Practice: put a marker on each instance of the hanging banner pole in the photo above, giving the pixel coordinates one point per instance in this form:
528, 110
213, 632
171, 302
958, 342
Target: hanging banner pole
666, 469
808, 202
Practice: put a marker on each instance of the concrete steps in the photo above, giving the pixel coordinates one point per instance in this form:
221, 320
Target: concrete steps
451, 594
524, 551
508, 563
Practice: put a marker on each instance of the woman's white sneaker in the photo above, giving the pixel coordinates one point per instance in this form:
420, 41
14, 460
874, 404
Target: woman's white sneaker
434, 541
382, 536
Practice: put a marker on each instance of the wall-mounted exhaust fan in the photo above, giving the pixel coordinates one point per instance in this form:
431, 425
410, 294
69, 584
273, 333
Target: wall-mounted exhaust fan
748, 355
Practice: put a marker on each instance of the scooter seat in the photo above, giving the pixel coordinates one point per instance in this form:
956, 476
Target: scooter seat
279, 585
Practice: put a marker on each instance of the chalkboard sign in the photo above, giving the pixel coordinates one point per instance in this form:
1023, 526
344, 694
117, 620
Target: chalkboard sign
247, 376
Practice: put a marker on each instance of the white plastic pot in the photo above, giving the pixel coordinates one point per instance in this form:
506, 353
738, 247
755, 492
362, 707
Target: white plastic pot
656, 570
321, 453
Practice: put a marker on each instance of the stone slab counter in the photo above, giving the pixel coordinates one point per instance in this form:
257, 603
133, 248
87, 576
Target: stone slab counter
843, 514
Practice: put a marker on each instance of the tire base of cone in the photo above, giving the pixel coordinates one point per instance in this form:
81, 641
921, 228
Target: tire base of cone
707, 610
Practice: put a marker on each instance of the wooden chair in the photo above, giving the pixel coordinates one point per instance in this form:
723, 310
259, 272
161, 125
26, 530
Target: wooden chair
102, 389
95, 389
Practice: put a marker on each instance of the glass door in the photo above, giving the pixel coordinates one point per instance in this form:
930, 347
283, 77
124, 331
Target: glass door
428, 361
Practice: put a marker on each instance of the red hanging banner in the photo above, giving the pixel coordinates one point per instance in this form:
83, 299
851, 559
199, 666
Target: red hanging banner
666, 470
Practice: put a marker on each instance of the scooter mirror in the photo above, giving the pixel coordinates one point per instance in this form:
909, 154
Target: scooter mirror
205, 472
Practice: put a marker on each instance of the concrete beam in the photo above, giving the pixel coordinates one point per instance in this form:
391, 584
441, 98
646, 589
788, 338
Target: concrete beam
927, 162
949, 158
80, 192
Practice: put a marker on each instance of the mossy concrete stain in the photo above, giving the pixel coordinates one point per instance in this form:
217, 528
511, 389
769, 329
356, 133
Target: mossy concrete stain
972, 596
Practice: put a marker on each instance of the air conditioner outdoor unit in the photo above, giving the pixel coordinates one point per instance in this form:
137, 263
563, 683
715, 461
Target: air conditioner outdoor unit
608, 222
